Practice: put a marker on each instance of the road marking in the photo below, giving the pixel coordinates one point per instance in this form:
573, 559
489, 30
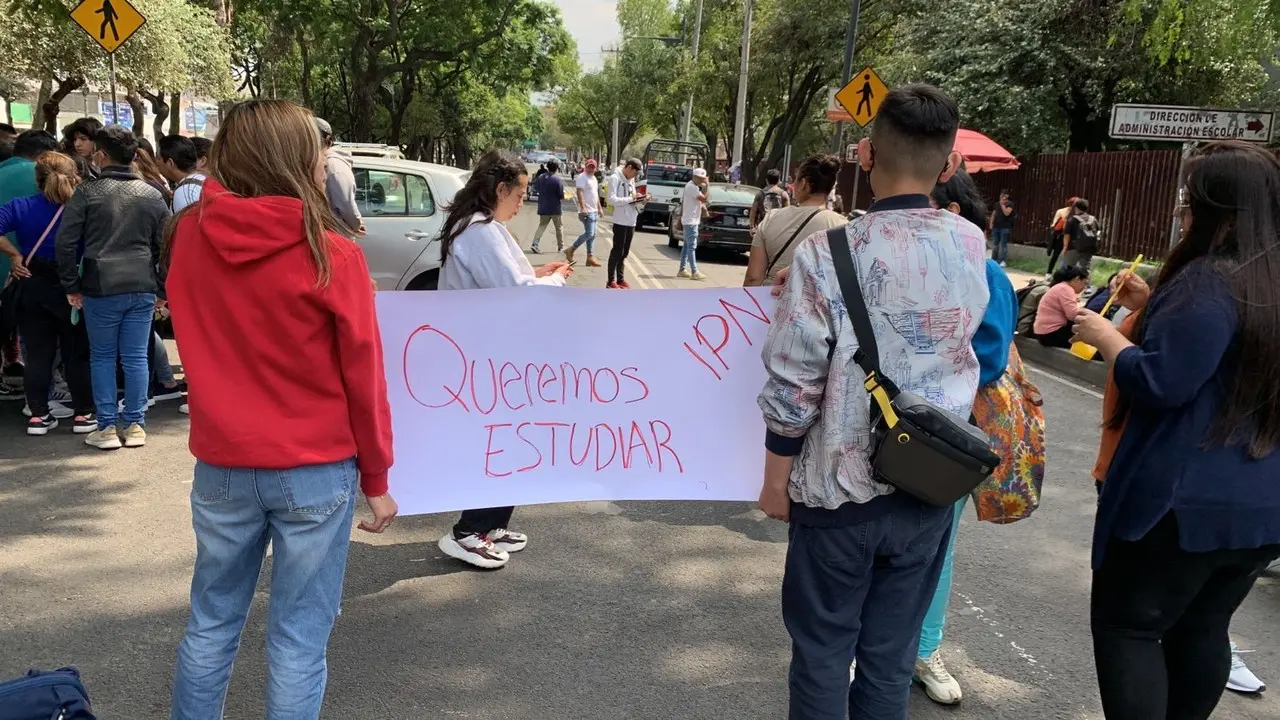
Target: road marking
1064, 381
604, 232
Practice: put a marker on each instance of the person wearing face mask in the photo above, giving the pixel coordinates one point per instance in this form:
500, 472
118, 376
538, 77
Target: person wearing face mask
478, 251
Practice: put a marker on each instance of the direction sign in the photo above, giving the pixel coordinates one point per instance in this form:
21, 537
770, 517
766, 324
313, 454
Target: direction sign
1175, 123
862, 96
108, 22
121, 113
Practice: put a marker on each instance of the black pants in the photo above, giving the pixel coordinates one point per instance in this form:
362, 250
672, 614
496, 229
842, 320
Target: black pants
1159, 616
1057, 338
44, 322
1054, 250
479, 522
622, 236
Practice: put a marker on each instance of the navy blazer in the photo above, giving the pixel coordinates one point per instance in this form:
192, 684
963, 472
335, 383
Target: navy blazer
1177, 380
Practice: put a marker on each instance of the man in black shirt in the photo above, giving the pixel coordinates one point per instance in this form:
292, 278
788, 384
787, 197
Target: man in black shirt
1080, 236
1001, 228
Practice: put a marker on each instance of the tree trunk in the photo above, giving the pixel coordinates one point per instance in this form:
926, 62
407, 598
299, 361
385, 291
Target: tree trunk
49, 108
223, 11
160, 109
132, 97
304, 79
175, 116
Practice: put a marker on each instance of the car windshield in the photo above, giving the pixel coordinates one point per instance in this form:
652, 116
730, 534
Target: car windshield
731, 195
668, 174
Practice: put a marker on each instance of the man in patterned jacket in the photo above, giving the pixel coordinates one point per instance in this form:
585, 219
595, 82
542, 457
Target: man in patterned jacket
863, 559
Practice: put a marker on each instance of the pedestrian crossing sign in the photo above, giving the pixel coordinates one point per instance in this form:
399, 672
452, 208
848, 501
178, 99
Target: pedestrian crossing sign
108, 22
861, 96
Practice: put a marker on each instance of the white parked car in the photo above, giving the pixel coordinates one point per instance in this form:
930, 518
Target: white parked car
372, 150
402, 203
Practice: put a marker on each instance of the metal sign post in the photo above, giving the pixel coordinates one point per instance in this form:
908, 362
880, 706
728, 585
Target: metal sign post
1179, 197
110, 23
850, 42
115, 107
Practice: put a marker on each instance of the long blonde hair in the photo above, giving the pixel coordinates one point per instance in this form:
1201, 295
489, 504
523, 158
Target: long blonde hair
272, 147
56, 176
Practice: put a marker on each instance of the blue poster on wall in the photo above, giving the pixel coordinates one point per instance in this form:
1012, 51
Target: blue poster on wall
126, 113
196, 119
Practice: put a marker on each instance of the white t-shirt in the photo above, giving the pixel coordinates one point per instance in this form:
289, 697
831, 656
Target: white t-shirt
691, 205
590, 188
190, 193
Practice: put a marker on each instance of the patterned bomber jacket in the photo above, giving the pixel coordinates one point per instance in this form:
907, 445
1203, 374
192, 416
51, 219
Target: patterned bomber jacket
923, 277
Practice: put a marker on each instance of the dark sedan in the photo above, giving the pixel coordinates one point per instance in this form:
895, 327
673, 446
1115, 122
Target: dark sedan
724, 223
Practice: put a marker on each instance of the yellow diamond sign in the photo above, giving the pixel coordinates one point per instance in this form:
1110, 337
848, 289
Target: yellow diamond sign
108, 22
863, 95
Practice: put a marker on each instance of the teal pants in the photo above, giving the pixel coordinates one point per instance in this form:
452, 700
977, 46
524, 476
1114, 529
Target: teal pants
936, 618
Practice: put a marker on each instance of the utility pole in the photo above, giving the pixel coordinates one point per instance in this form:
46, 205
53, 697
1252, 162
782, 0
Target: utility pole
850, 41
740, 118
687, 121
617, 151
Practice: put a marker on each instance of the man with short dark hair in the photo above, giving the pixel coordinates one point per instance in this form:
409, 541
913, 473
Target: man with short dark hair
203, 145
550, 196
1080, 236
118, 219
340, 180
863, 557
1001, 226
625, 202
178, 160
771, 197
8, 132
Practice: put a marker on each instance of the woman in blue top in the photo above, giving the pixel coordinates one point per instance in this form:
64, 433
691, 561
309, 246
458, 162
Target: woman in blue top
1190, 510
43, 314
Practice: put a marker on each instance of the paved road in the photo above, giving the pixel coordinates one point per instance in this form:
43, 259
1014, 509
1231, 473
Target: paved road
616, 610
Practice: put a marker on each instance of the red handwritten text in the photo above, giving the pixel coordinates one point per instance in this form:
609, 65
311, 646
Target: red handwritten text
712, 332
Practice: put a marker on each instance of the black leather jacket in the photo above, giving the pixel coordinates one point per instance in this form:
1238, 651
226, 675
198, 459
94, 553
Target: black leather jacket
118, 220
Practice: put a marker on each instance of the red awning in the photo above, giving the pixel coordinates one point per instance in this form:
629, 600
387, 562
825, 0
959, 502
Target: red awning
982, 154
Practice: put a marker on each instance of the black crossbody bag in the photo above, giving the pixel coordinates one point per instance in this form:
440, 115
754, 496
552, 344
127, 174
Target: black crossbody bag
917, 447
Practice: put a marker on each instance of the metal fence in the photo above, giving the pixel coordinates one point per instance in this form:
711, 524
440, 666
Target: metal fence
1131, 193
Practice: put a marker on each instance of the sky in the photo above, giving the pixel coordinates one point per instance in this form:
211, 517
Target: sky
593, 24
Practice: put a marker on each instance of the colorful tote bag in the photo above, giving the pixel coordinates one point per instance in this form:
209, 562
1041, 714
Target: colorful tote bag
1009, 411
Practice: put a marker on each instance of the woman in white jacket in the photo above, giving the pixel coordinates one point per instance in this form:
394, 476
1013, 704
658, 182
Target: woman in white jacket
478, 251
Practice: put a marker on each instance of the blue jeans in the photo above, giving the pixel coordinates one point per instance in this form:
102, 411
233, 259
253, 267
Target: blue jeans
1000, 243
119, 326
689, 251
588, 236
305, 513
860, 591
936, 619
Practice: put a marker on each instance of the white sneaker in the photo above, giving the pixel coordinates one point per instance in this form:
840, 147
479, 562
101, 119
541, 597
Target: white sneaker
104, 439
1242, 679
56, 409
853, 671
938, 684
184, 408
1002, 264
508, 540
473, 549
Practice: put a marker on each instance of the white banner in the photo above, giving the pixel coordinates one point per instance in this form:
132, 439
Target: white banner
537, 395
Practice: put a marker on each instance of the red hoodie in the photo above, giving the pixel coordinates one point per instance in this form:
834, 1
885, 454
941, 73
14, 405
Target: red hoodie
281, 373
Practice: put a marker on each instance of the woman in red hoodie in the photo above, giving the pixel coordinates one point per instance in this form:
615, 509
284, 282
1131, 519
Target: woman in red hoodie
273, 309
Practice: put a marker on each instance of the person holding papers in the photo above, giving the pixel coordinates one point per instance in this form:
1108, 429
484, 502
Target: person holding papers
626, 208
478, 251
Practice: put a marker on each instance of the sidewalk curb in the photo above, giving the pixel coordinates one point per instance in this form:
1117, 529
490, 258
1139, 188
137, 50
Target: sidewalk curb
1061, 361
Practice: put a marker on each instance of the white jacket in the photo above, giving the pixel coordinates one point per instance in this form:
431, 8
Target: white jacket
485, 255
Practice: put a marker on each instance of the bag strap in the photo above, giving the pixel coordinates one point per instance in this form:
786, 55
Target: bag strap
794, 235
882, 389
44, 234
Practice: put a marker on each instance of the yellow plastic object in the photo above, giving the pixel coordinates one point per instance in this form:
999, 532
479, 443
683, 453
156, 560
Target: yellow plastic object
882, 399
1085, 351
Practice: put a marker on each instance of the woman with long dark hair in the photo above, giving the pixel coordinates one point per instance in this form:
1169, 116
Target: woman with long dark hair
287, 474
478, 251
148, 168
1190, 510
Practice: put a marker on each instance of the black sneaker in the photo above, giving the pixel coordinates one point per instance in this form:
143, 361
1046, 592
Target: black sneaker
41, 425
9, 392
84, 424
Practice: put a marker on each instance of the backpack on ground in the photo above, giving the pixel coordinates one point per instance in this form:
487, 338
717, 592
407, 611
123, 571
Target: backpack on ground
45, 695
1010, 412
1028, 302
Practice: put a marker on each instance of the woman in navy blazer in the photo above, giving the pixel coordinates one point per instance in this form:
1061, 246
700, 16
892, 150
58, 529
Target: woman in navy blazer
1190, 511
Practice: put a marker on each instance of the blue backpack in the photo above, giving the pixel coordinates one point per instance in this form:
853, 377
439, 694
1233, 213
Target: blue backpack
45, 695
